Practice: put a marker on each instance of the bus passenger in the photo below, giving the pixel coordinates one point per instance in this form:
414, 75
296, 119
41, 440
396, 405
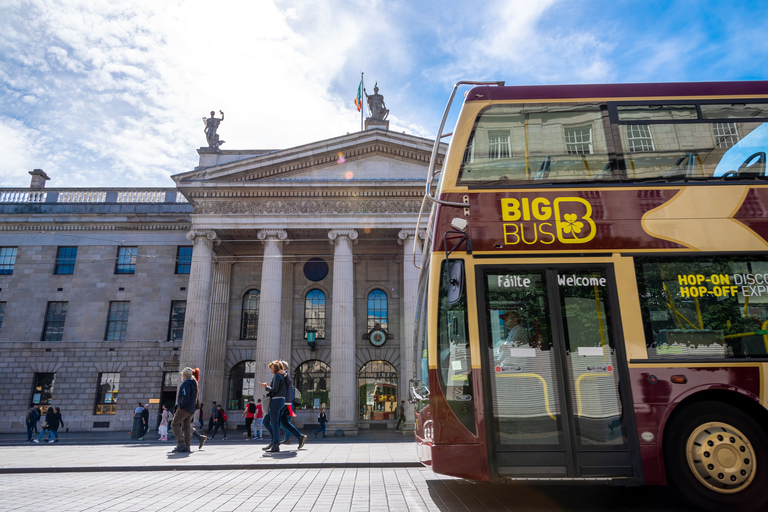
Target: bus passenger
518, 334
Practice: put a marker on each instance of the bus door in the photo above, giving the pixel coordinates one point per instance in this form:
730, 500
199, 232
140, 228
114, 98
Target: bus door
555, 371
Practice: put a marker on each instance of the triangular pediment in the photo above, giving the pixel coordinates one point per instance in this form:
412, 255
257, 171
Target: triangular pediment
371, 155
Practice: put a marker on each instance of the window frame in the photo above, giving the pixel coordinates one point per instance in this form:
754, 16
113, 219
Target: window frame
8, 259
36, 384
65, 263
101, 407
303, 378
245, 333
374, 319
318, 323
121, 267
122, 323
183, 262
171, 328
53, 325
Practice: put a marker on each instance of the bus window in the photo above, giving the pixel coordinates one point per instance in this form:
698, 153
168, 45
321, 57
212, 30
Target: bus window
526, 407
453, 354
420, 387
704, 307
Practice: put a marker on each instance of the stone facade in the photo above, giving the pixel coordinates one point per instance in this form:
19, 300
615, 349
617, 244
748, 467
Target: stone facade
254, 220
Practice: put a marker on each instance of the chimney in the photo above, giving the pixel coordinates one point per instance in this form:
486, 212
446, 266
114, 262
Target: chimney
38, 179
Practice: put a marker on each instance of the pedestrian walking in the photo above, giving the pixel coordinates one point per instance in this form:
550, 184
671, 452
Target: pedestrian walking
144, 421
400, 414
200, 416
49, 425
138, 428
212, 418
278, 394
259, 420
322, 419
197, 435
287, 413
250, 414
165, 418
32, 417
186, 403
58, 422
221, 422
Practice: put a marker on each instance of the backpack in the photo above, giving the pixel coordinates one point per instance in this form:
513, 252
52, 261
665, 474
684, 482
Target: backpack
224, 415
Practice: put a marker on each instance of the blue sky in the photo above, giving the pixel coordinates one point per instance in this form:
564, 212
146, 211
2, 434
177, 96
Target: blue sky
112, 93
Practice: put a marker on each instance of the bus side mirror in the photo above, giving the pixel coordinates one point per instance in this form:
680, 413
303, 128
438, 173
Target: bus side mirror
455, 282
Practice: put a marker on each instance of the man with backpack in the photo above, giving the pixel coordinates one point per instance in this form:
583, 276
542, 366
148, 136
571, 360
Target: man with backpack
33, 415
221, 422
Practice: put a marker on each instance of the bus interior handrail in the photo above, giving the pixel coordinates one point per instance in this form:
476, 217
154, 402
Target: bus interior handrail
433, 158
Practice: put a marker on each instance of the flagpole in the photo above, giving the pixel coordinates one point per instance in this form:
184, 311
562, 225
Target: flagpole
361, 100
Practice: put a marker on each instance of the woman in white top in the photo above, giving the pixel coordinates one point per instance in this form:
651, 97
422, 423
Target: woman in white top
165, 420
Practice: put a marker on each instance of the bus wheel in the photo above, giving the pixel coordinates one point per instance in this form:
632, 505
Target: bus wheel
717, 456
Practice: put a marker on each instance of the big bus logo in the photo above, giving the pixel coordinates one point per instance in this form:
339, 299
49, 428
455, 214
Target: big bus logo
529, 221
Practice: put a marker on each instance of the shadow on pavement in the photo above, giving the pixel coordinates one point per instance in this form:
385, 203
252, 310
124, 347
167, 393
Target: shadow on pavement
281, 455
462, 495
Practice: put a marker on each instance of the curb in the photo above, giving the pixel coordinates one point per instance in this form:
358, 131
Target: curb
212, 467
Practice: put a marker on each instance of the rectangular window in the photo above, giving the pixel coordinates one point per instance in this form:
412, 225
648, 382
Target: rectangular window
183, 259
499, 145
2, 313
65, 260
703, 307
639, 138
578, 141
126, 260
726, 134
42, 389
176, 325
7, 259
106, 395
53, 329
117, 321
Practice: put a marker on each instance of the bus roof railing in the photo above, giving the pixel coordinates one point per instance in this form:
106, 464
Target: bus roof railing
433, 159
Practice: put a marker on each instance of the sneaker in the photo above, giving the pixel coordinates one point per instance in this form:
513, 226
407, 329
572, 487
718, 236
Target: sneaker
35, 441
180, 450
141, 439
247, 438
302, 440
225, 438
203, 439
49, 441
267, 448
274, 449
55, 440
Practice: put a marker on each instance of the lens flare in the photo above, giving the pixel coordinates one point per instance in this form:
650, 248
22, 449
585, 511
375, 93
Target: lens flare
341, 158
349, 175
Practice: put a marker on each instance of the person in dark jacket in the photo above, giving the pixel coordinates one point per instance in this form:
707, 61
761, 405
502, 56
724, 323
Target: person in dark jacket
220, 423
33, 415
185, 411
285, 414
51, 424
144, 422
322, 419
59, 422
137, 428
278, 393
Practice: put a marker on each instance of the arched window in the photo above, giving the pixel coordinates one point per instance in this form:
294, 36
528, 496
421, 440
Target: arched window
377, 309
241, 384
312, 379
249, 322
377, 384
314, 313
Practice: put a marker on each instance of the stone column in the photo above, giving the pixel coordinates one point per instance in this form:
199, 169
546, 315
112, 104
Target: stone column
287, 314
343, 372
215, 371
408, 239
270, 302
195, 339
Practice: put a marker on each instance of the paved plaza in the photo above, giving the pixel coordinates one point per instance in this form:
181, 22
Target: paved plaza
374, 472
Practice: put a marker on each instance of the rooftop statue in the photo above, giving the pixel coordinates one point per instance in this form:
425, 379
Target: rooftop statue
211, 125
376, 106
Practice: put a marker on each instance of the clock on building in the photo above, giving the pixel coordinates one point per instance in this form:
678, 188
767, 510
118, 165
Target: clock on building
377, 337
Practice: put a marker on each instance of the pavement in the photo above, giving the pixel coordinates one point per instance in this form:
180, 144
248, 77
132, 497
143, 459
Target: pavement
376, 471
115, 451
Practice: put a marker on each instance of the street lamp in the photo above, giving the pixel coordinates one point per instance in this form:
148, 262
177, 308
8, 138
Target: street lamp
311, 338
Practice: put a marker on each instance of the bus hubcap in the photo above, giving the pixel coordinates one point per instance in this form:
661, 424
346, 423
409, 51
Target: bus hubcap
721, 457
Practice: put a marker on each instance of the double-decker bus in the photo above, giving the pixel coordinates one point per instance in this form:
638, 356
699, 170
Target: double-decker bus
594, 289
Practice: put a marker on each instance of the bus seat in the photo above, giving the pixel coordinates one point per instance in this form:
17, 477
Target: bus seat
543, 172
753, 166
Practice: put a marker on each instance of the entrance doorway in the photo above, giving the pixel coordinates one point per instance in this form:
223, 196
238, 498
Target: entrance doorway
555, 369
377, 384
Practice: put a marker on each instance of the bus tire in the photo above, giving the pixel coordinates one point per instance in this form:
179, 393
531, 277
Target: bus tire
717, 457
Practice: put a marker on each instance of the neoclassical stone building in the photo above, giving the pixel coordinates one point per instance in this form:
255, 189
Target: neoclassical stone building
303, 254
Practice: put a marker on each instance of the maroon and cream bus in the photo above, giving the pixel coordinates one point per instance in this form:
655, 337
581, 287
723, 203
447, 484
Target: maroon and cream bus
594, 289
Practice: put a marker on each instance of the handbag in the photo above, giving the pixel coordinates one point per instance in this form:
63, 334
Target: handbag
44, 425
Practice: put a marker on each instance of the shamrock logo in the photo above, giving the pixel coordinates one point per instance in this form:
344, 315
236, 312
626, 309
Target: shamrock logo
571, 224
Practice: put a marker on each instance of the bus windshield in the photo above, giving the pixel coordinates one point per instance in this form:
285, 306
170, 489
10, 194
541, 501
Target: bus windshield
534, 143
